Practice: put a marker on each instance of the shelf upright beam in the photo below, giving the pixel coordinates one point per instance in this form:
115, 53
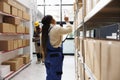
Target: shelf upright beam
84, 36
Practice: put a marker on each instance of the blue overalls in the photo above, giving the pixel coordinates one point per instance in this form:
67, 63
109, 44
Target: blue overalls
53, 62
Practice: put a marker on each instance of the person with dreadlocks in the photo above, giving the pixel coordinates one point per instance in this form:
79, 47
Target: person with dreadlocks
52, 46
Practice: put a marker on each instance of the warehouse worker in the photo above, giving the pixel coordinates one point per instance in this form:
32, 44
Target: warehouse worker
52, 46
36, 39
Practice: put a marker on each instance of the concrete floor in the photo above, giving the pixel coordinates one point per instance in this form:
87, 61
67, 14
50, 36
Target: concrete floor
37, 71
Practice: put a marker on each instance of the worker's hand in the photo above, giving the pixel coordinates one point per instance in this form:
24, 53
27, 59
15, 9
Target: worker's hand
66, 19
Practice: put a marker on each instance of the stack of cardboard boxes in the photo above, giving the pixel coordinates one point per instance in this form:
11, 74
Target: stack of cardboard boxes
17, 62
102, 58
14, 8
8, 45
16, 13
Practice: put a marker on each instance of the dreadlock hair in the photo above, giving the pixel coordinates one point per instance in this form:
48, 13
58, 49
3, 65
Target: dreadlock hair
46, 21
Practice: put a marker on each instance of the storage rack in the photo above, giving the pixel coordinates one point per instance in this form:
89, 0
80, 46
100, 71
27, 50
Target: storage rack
105, 12
6, 55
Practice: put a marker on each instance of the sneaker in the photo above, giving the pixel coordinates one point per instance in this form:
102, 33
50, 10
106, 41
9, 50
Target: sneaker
43, 62
38, 62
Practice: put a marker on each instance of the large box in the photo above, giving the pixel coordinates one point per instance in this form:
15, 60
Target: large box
4, 70
86, 76
19, 59
14, 65
26, 58
24, 42
4, 7
27, 30
10, 2
14, 11
20, 29
20, 43
105, 51
90, 52
15, 44
20, 13
97, 59
6, 45
114, 61
26, 16
4, 28
27, 42
11, 20
12, 28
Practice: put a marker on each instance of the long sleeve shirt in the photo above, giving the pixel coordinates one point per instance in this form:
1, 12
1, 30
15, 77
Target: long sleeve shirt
56, 34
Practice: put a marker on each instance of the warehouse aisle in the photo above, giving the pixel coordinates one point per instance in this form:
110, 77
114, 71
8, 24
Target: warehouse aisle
37, 71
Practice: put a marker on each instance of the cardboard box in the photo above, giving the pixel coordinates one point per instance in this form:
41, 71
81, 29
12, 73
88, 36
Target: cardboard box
14, 11
79, 1
10, 2
86, 76
26, 58
4, 28
19, 59
20, 13
97, 59
4, 7
26, 16
27, 30
114, 61
27, 42
15, 44
6, 45
11, 20
19, 43
105, 51
4, 70
12, 28
14, 65
19, 29
90, 52
24, 42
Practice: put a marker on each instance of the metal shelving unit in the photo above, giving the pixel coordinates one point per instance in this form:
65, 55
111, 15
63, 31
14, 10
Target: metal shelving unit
104, 13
